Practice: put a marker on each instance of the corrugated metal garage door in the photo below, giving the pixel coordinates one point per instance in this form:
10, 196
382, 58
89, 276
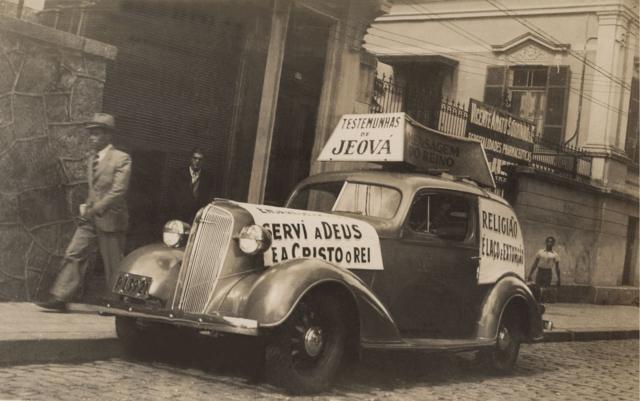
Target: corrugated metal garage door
171, 88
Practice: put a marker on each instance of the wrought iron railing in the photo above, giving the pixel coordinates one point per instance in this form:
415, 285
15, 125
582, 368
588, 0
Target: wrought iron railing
562, 160
450, 116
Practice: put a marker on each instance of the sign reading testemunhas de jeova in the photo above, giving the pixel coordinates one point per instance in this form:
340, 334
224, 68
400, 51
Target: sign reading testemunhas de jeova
501, 133
394, 137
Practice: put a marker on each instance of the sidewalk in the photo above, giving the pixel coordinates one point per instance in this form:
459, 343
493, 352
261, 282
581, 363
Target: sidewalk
584, 322
30, 335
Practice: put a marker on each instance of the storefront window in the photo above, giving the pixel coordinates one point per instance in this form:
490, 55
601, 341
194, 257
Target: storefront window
537, 93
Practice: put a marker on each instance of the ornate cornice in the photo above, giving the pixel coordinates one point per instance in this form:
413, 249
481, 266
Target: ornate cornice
529, 38
451, 10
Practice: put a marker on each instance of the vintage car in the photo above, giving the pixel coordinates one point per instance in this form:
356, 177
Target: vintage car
384, 259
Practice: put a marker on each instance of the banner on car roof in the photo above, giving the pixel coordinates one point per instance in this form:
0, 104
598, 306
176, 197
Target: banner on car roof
394, 137
501, 247
342, 241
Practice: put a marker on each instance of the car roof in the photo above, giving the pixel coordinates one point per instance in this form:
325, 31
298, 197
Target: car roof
407, 182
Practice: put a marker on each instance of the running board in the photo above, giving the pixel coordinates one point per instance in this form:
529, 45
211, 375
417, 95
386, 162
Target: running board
432, 344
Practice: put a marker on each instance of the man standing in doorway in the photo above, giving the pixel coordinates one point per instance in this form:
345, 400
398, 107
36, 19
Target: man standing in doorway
103, 218
190, 189
546, 261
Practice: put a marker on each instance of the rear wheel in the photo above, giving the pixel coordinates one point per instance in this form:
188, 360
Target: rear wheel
305, 352
505, 352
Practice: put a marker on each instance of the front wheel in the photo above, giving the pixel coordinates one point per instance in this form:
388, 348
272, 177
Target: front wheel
304, 353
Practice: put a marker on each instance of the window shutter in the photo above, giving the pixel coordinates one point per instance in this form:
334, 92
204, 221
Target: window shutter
494, 87
555, 111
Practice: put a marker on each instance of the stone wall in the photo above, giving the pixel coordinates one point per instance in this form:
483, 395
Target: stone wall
588, 222
50, 83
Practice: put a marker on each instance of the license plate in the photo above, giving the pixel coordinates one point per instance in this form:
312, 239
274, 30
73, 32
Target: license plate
132, 285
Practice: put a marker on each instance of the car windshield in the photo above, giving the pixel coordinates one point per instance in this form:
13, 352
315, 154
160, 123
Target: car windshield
348, 197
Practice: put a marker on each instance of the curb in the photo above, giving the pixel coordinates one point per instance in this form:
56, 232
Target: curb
557, 335
18, 352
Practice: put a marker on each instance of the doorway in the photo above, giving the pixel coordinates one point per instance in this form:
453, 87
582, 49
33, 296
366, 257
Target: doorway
299, 96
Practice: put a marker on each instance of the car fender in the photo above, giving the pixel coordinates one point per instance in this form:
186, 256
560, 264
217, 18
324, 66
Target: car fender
159, 262
508, 291
270, 296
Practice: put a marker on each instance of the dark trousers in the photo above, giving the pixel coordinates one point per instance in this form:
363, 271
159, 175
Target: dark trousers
543, 278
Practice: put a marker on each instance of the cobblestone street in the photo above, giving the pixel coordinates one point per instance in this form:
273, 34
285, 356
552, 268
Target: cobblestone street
599, 370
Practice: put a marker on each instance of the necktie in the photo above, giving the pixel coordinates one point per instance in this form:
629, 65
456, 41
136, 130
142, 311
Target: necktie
94, 166
194, 187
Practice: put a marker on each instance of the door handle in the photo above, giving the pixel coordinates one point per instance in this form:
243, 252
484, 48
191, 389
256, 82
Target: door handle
475, 257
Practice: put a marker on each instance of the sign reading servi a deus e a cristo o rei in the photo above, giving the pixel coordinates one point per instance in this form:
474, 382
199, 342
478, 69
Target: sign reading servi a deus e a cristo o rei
395, 137
501, 133
342, 241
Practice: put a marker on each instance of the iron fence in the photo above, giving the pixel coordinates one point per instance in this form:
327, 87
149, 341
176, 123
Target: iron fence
450, 116
562, 160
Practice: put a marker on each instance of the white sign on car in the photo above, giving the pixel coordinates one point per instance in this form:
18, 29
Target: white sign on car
501, 247
342, 241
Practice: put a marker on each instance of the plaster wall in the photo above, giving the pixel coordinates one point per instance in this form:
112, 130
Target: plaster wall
342, 80
50, 84
469, 41
466, 30
589, 224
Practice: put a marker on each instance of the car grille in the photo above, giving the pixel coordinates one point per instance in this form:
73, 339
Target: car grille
205, 254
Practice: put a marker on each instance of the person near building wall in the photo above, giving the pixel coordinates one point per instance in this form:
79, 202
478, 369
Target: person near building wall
545, 262
104, 217
190, 189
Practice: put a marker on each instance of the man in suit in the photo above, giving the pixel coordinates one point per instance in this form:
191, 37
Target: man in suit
191, 189
103, 218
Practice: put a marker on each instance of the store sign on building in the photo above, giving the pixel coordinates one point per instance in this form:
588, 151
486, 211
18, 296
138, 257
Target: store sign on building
504, 135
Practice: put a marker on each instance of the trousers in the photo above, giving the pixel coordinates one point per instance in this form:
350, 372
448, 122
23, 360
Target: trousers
84, 242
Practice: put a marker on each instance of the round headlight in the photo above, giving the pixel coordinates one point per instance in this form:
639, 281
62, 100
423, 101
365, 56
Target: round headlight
254, 239
175, 233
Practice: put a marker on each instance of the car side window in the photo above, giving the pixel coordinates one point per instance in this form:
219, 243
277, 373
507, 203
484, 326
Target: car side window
441, 214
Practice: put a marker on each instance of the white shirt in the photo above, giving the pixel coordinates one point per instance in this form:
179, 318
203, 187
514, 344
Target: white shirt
547, 259
103, 152
194, 175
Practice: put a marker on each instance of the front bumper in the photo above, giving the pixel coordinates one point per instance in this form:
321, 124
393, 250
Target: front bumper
214, 323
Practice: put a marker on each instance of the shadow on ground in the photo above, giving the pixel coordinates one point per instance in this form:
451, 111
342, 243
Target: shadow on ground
241, 358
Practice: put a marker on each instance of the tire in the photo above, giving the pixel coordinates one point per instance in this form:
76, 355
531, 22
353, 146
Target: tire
504, 355
305, 353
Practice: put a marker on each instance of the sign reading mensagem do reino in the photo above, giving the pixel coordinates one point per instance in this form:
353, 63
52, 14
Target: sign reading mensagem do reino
394, 137
509, 136
342, 241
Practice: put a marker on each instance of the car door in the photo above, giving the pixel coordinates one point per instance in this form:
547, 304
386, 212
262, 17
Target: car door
431, 277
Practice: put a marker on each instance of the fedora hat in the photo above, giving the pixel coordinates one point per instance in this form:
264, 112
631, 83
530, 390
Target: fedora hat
102, 120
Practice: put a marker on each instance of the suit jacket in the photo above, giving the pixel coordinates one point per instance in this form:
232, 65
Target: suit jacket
107, 190
184, 205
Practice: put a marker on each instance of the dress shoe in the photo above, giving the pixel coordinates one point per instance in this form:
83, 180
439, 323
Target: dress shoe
59, 306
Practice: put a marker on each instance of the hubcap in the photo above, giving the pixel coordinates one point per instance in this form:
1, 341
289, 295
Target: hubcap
504, 338
313, 341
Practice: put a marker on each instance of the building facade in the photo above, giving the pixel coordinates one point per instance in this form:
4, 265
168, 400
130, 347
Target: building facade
258, 85
571, 68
